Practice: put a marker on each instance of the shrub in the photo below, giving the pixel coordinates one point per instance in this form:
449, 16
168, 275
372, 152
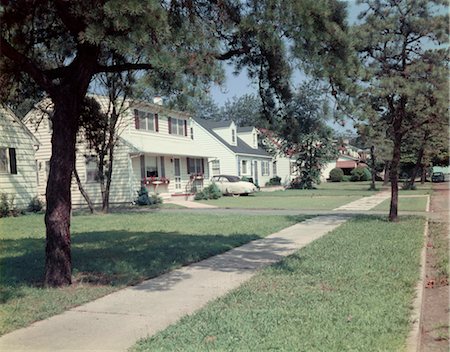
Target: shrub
274, 181
407, 186
7, 207
336, 175
361, 174
144, 199
210, 192
35, 205
346, 178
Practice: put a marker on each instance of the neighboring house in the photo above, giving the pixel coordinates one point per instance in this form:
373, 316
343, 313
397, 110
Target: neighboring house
235, 149
284, 166
349, 158
17, 159
156, 149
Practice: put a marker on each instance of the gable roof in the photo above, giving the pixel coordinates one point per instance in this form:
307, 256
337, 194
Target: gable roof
240, 148
8, 113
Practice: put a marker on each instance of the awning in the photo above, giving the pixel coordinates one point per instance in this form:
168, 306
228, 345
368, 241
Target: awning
167, 146
346, 164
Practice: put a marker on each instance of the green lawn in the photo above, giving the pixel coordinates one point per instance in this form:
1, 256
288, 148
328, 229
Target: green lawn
270, 201
405, 204
348, 291
109, 252
360, 189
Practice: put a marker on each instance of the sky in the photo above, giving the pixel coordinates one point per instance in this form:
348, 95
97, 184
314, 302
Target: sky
236, 86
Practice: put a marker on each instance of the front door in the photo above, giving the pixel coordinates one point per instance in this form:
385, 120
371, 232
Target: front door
177, 174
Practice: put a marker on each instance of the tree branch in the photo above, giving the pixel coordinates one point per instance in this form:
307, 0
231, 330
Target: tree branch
124, 67
26, 65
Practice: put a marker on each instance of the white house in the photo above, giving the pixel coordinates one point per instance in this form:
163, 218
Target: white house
17, 159
156, 149
235, 150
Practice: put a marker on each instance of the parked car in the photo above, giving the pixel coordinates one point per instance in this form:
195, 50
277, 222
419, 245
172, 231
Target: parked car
437, 177
233, 185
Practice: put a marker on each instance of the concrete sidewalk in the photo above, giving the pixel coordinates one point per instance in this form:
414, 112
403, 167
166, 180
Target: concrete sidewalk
365, 203
115, 322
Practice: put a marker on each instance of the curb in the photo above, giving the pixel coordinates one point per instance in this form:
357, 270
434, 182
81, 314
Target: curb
413, 342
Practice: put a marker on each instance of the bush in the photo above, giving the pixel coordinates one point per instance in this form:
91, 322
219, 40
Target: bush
210, 192
35, 205
7, 207
144, 199
361, 174
407, 186
274, 181
346, 178
336, 175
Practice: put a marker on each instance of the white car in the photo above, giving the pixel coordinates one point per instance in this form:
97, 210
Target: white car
233, 185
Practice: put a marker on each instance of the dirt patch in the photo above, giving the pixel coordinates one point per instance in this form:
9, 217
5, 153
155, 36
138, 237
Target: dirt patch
435, 305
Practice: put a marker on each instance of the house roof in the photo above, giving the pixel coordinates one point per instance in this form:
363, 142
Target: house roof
240, 148
346, 164
8, 113
245, 129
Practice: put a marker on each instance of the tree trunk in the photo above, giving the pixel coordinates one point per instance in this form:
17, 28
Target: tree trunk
423, 177
394, 170
387, 166
83, 191
58, 261
372, 157
417, 166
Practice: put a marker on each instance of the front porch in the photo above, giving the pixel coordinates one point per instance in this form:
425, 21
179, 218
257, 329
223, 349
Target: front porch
170, 175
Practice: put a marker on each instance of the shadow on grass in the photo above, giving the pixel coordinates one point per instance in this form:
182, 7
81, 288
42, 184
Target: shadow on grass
110, 257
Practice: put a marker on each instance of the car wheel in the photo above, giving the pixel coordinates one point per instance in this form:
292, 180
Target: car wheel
235, 195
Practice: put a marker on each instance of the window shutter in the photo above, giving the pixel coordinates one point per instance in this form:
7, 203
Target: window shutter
136, 119
156, 123
142, 160
163, 167
239, 167
170, 124
12, 160
203, 166
185, 127
188, 164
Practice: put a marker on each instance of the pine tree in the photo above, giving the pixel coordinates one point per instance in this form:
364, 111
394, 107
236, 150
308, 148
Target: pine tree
398, 43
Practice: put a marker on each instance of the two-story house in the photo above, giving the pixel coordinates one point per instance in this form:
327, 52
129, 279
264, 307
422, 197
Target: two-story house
155, 149
17, 159
235, 149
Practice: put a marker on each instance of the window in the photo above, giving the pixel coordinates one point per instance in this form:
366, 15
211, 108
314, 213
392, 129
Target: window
274, 168
192, 132
151, 167
177, 126
3, 160
36, 164
91, 169
215, 164
254, 140
145, 120
264, 168
233, 136
244, 166
8, 162
195, 166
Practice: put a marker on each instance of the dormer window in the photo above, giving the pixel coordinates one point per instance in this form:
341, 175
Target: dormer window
254, 140
233, 136
145, 120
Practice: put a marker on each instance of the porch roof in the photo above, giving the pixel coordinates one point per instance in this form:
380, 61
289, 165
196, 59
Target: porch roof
168, 147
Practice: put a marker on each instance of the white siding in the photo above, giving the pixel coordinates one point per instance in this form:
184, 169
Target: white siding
251, 138
13, 134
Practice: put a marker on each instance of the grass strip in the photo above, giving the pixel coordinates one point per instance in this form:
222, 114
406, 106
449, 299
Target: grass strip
405, 204
348, 291
276, 202
110, 252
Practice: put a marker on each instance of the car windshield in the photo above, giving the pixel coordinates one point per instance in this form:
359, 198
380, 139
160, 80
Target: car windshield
437, 173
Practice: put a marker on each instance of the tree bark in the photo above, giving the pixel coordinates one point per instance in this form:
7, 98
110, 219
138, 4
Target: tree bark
417, 166
393, 210
374, 174
58, 263
387, 166
83, 191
